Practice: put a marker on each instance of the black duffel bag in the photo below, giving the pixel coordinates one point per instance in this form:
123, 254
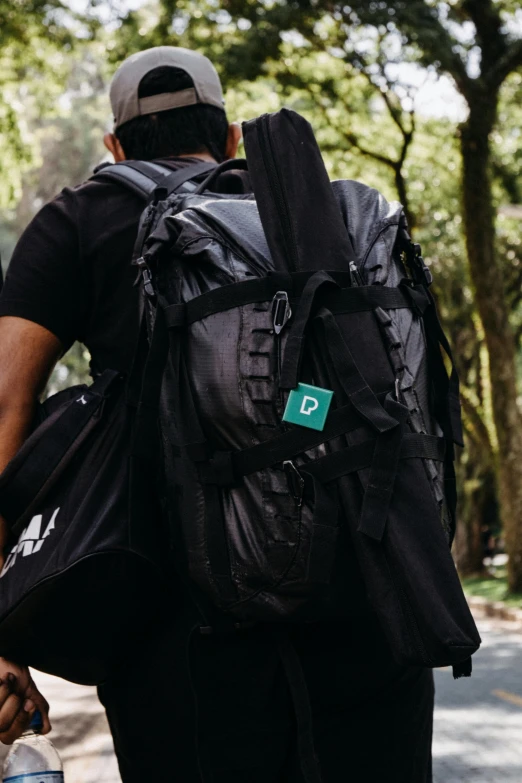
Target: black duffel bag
84, 574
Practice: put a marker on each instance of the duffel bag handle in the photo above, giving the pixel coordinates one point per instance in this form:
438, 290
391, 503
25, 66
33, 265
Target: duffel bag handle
232, 164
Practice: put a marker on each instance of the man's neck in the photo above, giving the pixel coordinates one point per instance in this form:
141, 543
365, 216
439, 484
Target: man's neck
200, 156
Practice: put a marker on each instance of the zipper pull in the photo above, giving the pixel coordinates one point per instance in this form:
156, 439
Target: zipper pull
281, 311
354, 274
146, 277
295, 481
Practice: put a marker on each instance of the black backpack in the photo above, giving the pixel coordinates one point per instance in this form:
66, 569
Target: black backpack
307, 419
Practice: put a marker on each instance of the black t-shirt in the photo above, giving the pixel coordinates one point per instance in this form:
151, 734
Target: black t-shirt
71, 270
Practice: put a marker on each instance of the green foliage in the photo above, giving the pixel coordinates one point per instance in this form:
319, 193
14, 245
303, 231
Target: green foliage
493, 588
36, 40
72, 369
65, 144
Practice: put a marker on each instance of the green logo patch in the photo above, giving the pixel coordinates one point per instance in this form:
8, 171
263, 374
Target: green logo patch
308, 406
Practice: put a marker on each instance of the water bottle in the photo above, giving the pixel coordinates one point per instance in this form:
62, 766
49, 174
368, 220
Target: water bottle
33, 758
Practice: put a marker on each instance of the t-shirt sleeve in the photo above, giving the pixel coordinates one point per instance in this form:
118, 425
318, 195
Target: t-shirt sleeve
45, 278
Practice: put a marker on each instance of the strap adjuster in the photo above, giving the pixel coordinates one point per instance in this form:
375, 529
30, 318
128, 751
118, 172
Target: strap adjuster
423, 273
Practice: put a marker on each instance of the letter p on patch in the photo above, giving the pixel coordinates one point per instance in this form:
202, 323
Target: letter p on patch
307, 408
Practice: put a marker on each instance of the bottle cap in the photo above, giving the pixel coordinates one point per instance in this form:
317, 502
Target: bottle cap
36, 721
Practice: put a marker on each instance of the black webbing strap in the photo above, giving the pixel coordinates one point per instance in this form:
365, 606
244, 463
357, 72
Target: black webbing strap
383, 472
417, 295
347, 300
144, 177
357, 457
325, 529
227, 467
343, 365
237, 164
225, 298
155, 171
24, 479
145, 435
291, 367
176, 179
363, 298
449, 405
447, 392
141, 177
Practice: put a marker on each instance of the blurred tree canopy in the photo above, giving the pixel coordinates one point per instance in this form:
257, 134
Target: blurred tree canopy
356, 72
34, 36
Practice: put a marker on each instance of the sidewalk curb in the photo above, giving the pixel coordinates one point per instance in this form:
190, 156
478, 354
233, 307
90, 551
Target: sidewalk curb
497, 610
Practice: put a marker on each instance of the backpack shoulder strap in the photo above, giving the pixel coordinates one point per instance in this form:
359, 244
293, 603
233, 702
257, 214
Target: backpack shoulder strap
144, 177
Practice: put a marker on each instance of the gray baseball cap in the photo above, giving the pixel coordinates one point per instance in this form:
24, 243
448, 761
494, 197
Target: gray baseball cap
126, 105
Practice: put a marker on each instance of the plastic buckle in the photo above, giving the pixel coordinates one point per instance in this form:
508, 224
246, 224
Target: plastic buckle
146, 276
281, 311
159, 194
427, 277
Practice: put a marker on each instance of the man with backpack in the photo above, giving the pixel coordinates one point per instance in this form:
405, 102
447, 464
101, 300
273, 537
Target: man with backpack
322, 700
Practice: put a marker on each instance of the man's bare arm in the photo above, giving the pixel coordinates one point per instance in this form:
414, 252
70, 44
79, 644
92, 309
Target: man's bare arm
28, 353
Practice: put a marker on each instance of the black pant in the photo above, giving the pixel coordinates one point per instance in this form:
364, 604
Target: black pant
218, 708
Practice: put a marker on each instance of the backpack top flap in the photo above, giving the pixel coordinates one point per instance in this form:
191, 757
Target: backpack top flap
300, 215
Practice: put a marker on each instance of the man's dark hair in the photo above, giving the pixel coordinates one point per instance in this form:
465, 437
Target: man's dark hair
185, 131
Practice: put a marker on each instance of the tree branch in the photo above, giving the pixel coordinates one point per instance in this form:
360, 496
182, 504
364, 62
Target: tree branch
351, 137
486, 17
509, 62
422, 27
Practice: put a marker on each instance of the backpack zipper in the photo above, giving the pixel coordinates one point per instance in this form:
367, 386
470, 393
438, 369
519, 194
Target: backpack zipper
281, 314
355, 275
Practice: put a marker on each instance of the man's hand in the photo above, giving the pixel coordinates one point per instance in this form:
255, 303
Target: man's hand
19, 698
28, 352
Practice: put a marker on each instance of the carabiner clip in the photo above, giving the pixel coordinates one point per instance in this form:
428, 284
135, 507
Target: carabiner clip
281, 311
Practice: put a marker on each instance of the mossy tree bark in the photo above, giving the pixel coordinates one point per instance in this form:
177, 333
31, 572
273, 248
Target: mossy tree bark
490, 294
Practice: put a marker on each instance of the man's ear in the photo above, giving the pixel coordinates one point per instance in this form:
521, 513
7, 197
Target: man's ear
233, 138
113, 145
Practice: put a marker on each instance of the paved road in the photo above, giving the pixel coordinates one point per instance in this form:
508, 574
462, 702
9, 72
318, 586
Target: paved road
478, 722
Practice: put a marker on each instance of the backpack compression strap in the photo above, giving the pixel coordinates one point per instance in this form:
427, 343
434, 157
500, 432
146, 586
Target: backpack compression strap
145, 177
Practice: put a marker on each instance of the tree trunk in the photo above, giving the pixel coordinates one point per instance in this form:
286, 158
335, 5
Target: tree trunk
487, 277
402, 192
477, 512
